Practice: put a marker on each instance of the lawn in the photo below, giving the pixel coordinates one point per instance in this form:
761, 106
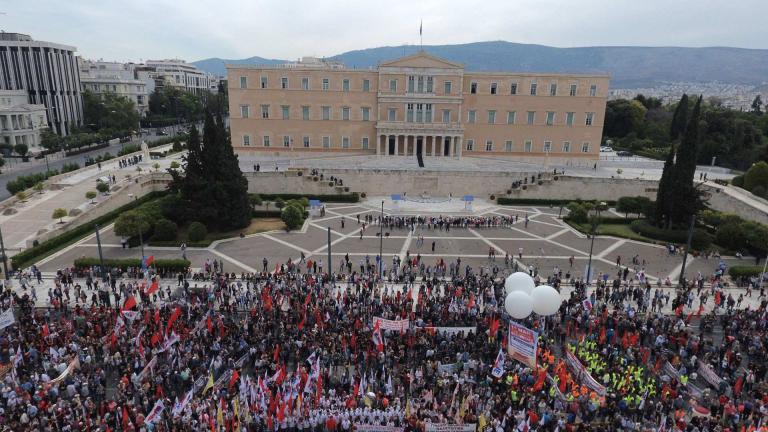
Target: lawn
257, 225
616, 230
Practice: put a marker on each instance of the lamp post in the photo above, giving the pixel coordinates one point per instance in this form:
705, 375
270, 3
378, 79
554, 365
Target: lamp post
595, 223
5, 258
681, 281
381, 240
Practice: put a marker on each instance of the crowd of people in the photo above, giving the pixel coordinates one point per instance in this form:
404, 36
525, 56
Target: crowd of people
295, 348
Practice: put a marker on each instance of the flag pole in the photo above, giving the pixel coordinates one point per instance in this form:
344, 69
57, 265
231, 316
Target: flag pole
421, 36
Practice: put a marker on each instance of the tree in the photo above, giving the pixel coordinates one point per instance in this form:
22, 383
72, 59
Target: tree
165, 230
279, 203
59, 213
49, 140
156, 166
212, 187
175, 165
39, 187
90, 195
197, 232
757, 105
131, 224
102, 187
292, 216
637, 205
21, 149
679, 119
21, 196
757, 175
663, 193
255, 200
684, 196
109, 112
622, 117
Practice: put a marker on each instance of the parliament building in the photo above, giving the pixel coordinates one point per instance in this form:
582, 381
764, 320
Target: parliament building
420, 106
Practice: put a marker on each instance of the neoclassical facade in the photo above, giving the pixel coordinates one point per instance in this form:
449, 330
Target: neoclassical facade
419, 104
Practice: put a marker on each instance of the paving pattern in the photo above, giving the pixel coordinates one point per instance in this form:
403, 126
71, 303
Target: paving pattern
546, 242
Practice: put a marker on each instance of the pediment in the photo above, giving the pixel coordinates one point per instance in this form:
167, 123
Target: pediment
422, 60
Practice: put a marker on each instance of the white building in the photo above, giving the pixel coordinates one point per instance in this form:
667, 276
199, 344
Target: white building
122, 79
20, 121
178, 73
48, 73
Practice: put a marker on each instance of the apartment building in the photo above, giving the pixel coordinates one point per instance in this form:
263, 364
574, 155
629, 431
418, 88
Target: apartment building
121, 79
186, 76
20, 121
415, 105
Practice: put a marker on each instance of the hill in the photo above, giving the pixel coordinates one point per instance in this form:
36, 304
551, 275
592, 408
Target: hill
628, 66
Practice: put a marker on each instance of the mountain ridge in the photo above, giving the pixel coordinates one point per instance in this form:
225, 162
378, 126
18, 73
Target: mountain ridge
629, 66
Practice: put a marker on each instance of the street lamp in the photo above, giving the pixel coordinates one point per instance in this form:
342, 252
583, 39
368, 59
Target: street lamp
381, 241
595, 222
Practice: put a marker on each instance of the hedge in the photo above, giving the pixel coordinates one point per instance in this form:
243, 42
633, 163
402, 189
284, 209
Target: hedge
744, 270
267, 213
609, 220
701, 239
166, 264
541, 202
329, 198
29, 256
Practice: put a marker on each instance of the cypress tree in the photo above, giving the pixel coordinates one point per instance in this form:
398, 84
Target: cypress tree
663, 194
679, 119
684, 196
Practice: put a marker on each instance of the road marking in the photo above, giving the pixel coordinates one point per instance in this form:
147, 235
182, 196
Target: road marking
285, 243
234, 261
72, 246
611, 248
406, 245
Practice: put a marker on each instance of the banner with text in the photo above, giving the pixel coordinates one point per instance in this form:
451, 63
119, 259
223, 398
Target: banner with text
445, 427
582, 374
395, 325
376, 428
709, 375
522, 344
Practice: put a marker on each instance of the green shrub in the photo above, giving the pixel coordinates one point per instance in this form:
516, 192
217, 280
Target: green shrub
130, 148
197, 232
279, 203
701, 240
327, 198
738, 181
174, 265
266, 214
757, 175
745, 271
635, 205
540, 202
165, 230
293, 217
577, 212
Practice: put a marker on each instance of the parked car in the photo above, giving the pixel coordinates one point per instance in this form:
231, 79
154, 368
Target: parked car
162, 132
605, 149
624, 153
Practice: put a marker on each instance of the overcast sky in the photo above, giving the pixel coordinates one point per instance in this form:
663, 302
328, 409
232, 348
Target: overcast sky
133, 30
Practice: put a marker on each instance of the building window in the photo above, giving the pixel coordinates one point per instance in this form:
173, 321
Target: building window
508, 146
447, 87
305, 141
366, 113
473, 88
511, 117
589, 118
305, 83
286, 111
305, 113
550, 118
243, 82
265, 111
393, 85
364, 143
430, 82
265, 140
263, 82
366, 85
419, 113
345, 142
345, 113
246, 140
493, 88
553, 89
326, 113
286, 141
566, 146
326, 142
528, 146
533, 89
573, 90
284, 83
488, 145
420, 82
585, 147
470, 144
569, 118
531, 117
491, 117
428, 114
446, 116
471, 116
345, 84
513, 89
392, 114
547, 146
326, 84
409, 112
593, 90
245, 111
411, 83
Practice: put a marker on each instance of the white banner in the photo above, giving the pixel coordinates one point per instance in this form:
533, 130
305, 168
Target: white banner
448, 368
450, 331
168, 343
709, 375
395, 325
7, 319
445, 427
154, 415
376, 428
147, 368
178, 407
582, 374
522, 344
72, 366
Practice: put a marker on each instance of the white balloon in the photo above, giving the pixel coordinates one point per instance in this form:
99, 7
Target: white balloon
546, 300
518, 304
519, 281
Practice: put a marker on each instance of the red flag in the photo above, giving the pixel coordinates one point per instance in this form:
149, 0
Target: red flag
601, 338
153, 288
276, 353
718, 298
495, 323
150, 259
737, 386
301, 324
306, 300
319, 389
146, 317
471, 302
130, 303
679, 310
155, 339
157, 316
233, 379
209, 324
376, 337
540, 380
281, 375
174, 316
125, 418
46, 331
221, 327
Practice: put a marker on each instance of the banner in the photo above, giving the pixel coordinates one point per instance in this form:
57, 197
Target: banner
154, 415
450, 331
445, 427
147, 368
375, 428
498, 365
692, 389
448, 368
395, 325
178, 407
709, 375
168, 343
582, 374
7, 319
522, 344
74, 364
